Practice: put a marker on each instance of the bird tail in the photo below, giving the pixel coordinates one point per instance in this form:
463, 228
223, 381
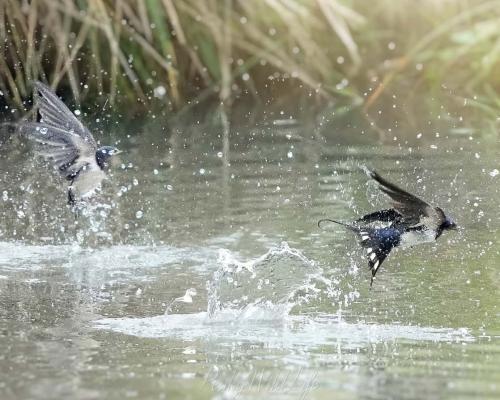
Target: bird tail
353, 228
378, 245
376, 249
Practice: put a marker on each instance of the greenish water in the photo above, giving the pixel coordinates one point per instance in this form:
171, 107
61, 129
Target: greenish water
281, 309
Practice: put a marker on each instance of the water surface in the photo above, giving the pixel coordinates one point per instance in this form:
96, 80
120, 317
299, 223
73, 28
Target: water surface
281, 308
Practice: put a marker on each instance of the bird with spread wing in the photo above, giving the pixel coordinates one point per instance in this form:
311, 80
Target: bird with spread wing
60, 137
410, 221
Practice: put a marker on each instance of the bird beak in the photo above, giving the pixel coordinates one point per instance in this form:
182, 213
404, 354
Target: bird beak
115, 152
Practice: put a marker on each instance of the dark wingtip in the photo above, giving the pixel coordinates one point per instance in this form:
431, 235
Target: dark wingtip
71, 198
372, 278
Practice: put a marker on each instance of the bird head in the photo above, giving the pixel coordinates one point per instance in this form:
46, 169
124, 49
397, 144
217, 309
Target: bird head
449, 224
103, 154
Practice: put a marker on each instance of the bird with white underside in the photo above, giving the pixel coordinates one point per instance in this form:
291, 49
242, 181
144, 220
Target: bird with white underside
410, 221
62, 139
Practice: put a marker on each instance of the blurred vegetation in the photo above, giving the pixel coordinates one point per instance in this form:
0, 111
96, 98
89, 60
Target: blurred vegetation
330, 55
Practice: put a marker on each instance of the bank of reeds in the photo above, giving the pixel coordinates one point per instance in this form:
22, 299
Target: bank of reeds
176, 53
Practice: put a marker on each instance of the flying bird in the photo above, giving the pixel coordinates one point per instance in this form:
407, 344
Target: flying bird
410, 221
61, 138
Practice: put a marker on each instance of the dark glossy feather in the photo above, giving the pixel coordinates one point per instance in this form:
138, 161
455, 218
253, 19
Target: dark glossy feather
378, 244
413, 209
390, 215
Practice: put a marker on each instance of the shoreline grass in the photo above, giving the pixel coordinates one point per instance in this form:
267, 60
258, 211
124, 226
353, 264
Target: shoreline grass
173, 55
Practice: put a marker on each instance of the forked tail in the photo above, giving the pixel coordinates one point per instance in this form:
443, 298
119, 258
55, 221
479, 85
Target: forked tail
377, 243
348, 226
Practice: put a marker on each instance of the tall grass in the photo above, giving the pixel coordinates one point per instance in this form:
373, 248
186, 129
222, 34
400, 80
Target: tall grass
178, 53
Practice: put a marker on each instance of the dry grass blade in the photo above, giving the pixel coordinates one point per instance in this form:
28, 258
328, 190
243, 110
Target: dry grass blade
341, 29
225, 53
181, 37
231, 48
143, 16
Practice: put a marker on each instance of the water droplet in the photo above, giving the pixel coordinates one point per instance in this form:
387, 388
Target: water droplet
155, 171
77, 112
202, 171
289, 154
494, 173
159, 92
139, 214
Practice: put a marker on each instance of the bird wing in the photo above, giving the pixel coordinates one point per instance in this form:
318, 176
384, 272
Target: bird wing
414, 210
54, 113
68, 151
390, 215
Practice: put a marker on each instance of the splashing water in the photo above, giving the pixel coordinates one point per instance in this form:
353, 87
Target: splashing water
264, 288
94, 219
247, 299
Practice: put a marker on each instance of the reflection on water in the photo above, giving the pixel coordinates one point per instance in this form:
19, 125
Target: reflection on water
279, 308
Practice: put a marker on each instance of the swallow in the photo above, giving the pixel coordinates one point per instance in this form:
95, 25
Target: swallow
411, 221
62, 139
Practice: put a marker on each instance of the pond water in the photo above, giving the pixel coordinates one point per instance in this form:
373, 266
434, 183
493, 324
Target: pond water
200, 272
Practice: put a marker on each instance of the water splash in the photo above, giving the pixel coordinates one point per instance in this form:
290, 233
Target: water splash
263, 288
251, 301
295, 331
92, 220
